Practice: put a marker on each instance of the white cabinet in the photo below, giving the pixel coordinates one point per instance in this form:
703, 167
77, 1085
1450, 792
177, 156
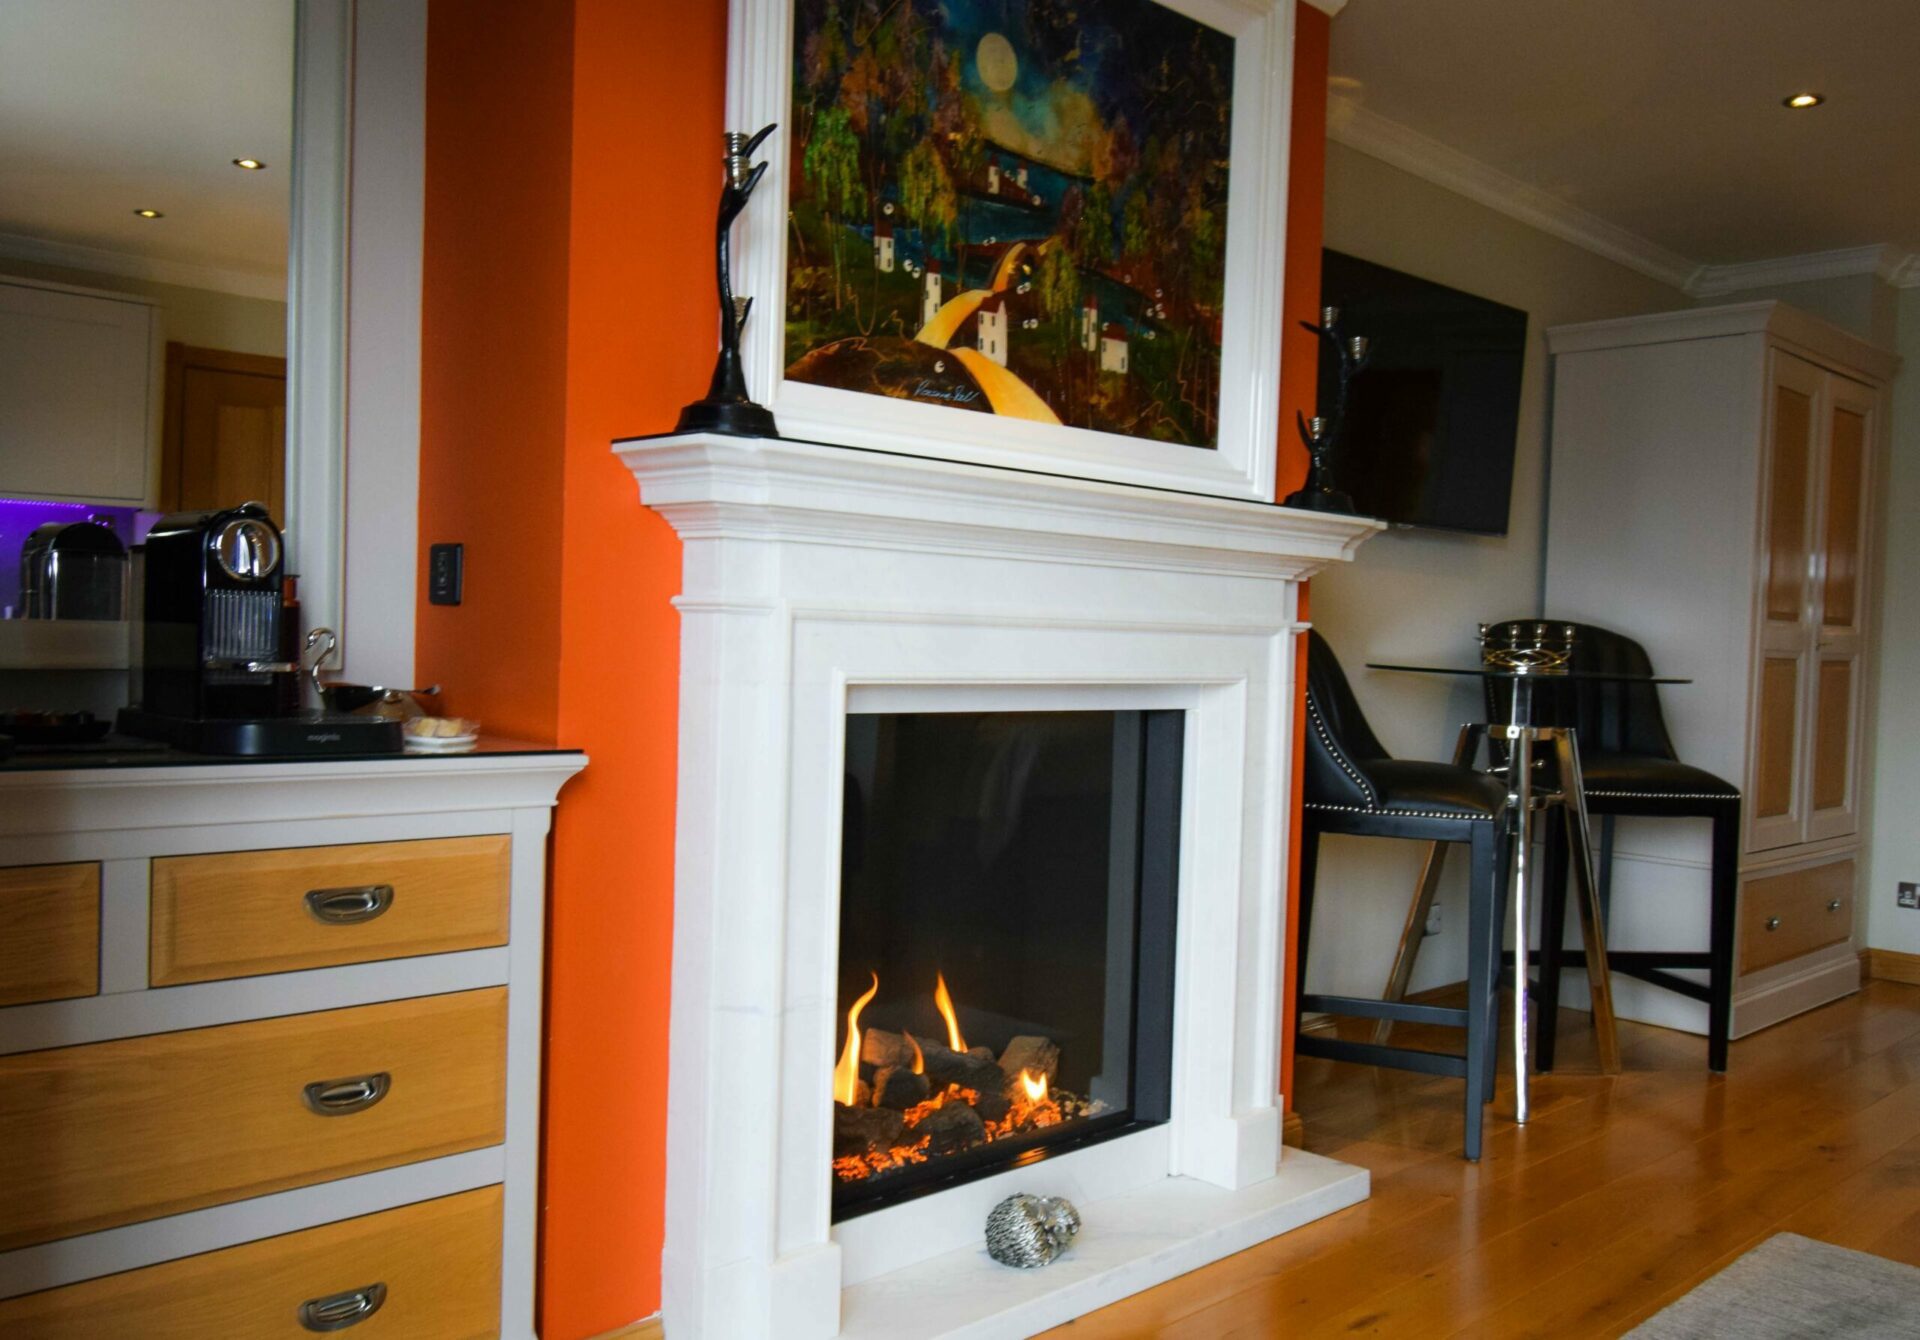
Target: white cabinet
79, 389
1711, 474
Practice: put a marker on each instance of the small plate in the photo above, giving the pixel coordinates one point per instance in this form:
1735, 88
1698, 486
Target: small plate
441, 744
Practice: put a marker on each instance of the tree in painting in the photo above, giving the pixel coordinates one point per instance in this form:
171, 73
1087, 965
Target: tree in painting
1012, 206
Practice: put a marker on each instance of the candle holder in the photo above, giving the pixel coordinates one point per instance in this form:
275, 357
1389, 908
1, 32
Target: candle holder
1322, 433
727, 407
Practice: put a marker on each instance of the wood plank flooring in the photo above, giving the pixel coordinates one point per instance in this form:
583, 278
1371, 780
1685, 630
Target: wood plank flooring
1621, 1194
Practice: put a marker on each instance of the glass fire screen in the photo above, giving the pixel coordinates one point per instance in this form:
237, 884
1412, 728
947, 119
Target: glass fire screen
1006, 938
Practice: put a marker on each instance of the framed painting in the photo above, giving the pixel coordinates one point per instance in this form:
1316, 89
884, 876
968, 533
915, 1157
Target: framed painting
1043, 234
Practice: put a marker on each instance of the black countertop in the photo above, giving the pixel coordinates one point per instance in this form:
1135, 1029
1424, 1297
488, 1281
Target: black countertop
123, 751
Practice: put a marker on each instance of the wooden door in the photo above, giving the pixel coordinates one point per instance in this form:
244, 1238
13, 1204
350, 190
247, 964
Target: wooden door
1776, 795
226, 438
1839, 610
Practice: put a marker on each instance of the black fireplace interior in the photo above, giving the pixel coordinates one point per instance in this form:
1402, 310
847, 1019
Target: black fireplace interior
1007, 902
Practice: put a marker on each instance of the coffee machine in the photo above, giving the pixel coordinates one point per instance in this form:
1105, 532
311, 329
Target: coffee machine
212, 676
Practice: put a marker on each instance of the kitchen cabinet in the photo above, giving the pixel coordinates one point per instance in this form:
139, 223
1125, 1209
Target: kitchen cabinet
79, 394
270, 1046
1711, 475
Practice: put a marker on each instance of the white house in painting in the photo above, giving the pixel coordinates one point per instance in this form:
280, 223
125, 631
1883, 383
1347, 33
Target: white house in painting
1090, 324
930, 293
1113, 348
993, 329
883, 246
993, 179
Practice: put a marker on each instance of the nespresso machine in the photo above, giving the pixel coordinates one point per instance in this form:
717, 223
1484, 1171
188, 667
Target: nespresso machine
213, 676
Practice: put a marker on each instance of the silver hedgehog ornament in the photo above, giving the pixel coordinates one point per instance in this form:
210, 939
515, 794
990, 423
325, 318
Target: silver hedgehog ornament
1028, 1231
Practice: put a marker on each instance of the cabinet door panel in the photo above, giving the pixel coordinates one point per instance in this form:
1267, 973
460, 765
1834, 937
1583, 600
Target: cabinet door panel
76, 395
1775, 769
1842, 541
1787, 487
1839, 617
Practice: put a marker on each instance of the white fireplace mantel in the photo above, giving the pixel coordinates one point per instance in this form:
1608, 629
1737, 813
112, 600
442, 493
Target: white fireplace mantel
820, 580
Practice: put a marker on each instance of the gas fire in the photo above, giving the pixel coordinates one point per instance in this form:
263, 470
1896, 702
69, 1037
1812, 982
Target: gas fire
1036, 1088
846, 1075
944, 1003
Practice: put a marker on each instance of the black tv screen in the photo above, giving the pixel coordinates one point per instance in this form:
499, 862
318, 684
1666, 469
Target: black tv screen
1431, 421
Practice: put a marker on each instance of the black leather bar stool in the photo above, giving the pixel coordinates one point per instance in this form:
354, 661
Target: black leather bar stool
1354, 786
1629, 766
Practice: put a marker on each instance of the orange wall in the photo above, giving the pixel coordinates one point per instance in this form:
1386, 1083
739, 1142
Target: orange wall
608, 268
647, 114
1299, 376
493, 359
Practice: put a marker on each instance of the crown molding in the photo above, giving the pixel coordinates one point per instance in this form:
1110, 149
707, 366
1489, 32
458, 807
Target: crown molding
1359, 128
240, 283
1887, 262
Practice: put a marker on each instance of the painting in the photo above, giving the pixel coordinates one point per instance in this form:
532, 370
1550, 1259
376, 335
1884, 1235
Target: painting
1038, 233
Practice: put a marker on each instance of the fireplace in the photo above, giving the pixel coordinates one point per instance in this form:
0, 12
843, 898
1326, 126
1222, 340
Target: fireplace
1024, 737
1008, 884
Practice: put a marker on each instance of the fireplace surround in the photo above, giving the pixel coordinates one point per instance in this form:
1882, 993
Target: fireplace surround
827, 590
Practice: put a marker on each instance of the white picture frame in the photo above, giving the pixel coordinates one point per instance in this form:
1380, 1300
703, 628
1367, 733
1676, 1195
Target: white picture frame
1241, 465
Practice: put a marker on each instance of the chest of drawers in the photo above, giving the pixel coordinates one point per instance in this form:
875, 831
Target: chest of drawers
269, 1047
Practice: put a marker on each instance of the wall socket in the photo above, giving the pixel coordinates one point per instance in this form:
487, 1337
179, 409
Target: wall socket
1907, 894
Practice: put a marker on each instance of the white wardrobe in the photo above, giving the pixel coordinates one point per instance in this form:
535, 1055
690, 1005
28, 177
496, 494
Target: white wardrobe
1711, 497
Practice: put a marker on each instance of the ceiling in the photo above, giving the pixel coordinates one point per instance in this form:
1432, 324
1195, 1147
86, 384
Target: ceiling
108, 106
1662, 117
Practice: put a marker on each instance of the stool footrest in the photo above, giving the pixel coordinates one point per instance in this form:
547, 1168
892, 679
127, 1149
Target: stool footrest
1364, 1007
1372, 1053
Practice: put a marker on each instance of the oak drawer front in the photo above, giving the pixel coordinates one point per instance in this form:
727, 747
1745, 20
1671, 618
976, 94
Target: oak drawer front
437, 1264
238, 914
49, 932
115, 1132
1793, 913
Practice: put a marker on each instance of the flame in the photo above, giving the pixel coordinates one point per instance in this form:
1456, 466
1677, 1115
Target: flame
919, 1060
846, 1075
1036, 1088
945, 1002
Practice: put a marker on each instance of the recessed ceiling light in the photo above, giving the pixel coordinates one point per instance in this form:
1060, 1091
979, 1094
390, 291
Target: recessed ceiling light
149, 213
1800, 100
250, 164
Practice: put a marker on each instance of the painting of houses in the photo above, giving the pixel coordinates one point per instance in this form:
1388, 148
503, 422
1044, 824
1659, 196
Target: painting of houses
1013, 207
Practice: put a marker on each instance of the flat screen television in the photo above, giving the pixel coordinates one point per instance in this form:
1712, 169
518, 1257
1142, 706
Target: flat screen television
1431, 421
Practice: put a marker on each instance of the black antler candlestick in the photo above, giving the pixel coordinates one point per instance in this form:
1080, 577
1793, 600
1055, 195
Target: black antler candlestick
1322, 433
727, 407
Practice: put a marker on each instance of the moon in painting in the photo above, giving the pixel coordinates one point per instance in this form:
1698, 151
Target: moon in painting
996, 62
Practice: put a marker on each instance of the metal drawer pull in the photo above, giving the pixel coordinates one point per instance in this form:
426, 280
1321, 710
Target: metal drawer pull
342, 907
1773, 923
343, 1097
337, 1311
1834, 906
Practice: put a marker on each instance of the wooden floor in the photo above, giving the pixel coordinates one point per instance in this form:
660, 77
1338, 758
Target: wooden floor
1620, 1195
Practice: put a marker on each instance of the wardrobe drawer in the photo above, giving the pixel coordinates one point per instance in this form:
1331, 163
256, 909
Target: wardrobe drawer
237, 914
49, 932
115, 1132
436, 1265
1795, 912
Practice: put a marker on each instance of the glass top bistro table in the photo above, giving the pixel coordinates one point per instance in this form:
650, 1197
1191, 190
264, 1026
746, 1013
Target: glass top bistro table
1521, 734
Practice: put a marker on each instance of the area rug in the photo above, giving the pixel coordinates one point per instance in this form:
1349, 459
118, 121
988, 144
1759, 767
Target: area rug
1794, 1288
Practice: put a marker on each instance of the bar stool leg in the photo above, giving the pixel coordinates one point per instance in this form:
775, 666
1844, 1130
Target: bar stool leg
1726, 885
1422, 905
1482, 1037
1553, 932
1593, 931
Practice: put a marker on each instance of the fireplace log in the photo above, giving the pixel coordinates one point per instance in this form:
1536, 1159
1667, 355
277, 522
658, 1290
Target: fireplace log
951, 1128
1036, 1055
945, 1066
992, 1104
882, 1047
856, 1130
898, 1087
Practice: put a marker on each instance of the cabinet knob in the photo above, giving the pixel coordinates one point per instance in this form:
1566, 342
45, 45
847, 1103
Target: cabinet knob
1834, 906
345, 907
1773, 923
337, 1311
343, 1097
